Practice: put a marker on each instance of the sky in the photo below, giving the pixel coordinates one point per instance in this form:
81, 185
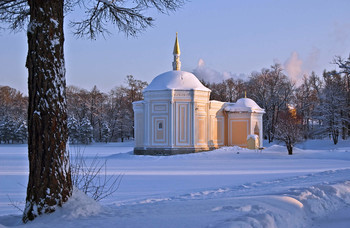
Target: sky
220, 39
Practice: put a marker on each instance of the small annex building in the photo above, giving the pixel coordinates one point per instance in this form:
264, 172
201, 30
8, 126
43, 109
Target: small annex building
176, 116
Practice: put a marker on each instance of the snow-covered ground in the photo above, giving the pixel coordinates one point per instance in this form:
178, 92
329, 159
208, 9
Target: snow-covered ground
228, 187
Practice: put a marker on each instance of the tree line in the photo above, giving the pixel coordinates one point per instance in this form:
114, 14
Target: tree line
13, 116
93, 116
321, 106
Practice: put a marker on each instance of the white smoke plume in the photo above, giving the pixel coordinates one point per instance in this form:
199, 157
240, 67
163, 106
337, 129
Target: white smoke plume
293, 67
296, 68
210, 75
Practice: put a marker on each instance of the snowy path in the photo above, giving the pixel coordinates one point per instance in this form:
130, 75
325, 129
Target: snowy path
221, 188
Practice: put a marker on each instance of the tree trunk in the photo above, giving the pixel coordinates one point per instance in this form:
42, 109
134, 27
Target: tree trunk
335, 135
289, 148
49, 182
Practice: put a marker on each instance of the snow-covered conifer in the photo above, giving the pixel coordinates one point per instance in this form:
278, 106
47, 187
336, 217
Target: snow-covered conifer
332, 112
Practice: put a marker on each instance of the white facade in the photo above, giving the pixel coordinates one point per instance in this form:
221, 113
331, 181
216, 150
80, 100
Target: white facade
176, 116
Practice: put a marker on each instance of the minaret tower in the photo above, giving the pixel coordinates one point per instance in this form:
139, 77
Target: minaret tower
176, 53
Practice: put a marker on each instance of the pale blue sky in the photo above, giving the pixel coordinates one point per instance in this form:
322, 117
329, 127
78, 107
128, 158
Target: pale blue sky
230, 36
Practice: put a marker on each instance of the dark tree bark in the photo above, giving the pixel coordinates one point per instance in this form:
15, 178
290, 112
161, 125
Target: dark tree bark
49, 182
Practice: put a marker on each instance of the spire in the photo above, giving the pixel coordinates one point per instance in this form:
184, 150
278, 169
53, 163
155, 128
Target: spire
176, 53
176, 47
245, 94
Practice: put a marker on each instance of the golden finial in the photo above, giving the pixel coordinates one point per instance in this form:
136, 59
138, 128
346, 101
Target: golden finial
176, 47
176, 53
245, 94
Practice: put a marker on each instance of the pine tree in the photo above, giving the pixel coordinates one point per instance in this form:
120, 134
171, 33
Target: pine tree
21, 132
2, 131
80, 131
85, 131
105, 132
72, 130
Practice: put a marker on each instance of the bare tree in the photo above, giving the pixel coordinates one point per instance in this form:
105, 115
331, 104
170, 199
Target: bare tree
272, 90
50, 182
234, 89
12, 104
306, 100
92, 178
289, 129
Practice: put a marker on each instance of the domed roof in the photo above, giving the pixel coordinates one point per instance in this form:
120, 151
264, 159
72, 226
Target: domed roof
176, 80
244, 105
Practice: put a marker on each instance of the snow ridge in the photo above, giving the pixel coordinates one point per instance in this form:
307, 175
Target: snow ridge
295, 209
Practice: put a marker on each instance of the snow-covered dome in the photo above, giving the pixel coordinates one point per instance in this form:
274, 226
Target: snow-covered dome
176, 80
244, 105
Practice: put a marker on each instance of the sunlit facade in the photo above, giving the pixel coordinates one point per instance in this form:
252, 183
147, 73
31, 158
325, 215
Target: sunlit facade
176, 116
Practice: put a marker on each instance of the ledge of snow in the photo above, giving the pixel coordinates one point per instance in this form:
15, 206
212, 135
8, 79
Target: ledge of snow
244, 105
176, 80
252, 137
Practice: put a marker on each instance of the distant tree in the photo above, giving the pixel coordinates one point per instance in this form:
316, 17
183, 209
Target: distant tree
50, 182
105, 132
7, 130
21, 132
218, 91
344, 66
96, 106
13, 113
72, 125
13, 104
135, 88
80, 131
85, 131
289, 129
134, 93
77, 102
116, 110
332, 112
273, 91
235, 89
306, 100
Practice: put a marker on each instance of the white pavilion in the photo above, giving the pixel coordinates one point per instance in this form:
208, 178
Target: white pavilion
176, 116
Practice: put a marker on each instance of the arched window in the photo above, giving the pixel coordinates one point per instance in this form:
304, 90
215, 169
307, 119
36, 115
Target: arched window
160, 125
256, 129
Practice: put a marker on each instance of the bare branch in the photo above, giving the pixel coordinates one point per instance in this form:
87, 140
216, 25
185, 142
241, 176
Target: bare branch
16, 205
15, 13
92, 178
129, 20
343, 64
127, 16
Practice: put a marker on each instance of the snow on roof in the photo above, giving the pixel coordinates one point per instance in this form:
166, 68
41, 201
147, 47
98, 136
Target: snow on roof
138, 102
244, 105
176, 80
